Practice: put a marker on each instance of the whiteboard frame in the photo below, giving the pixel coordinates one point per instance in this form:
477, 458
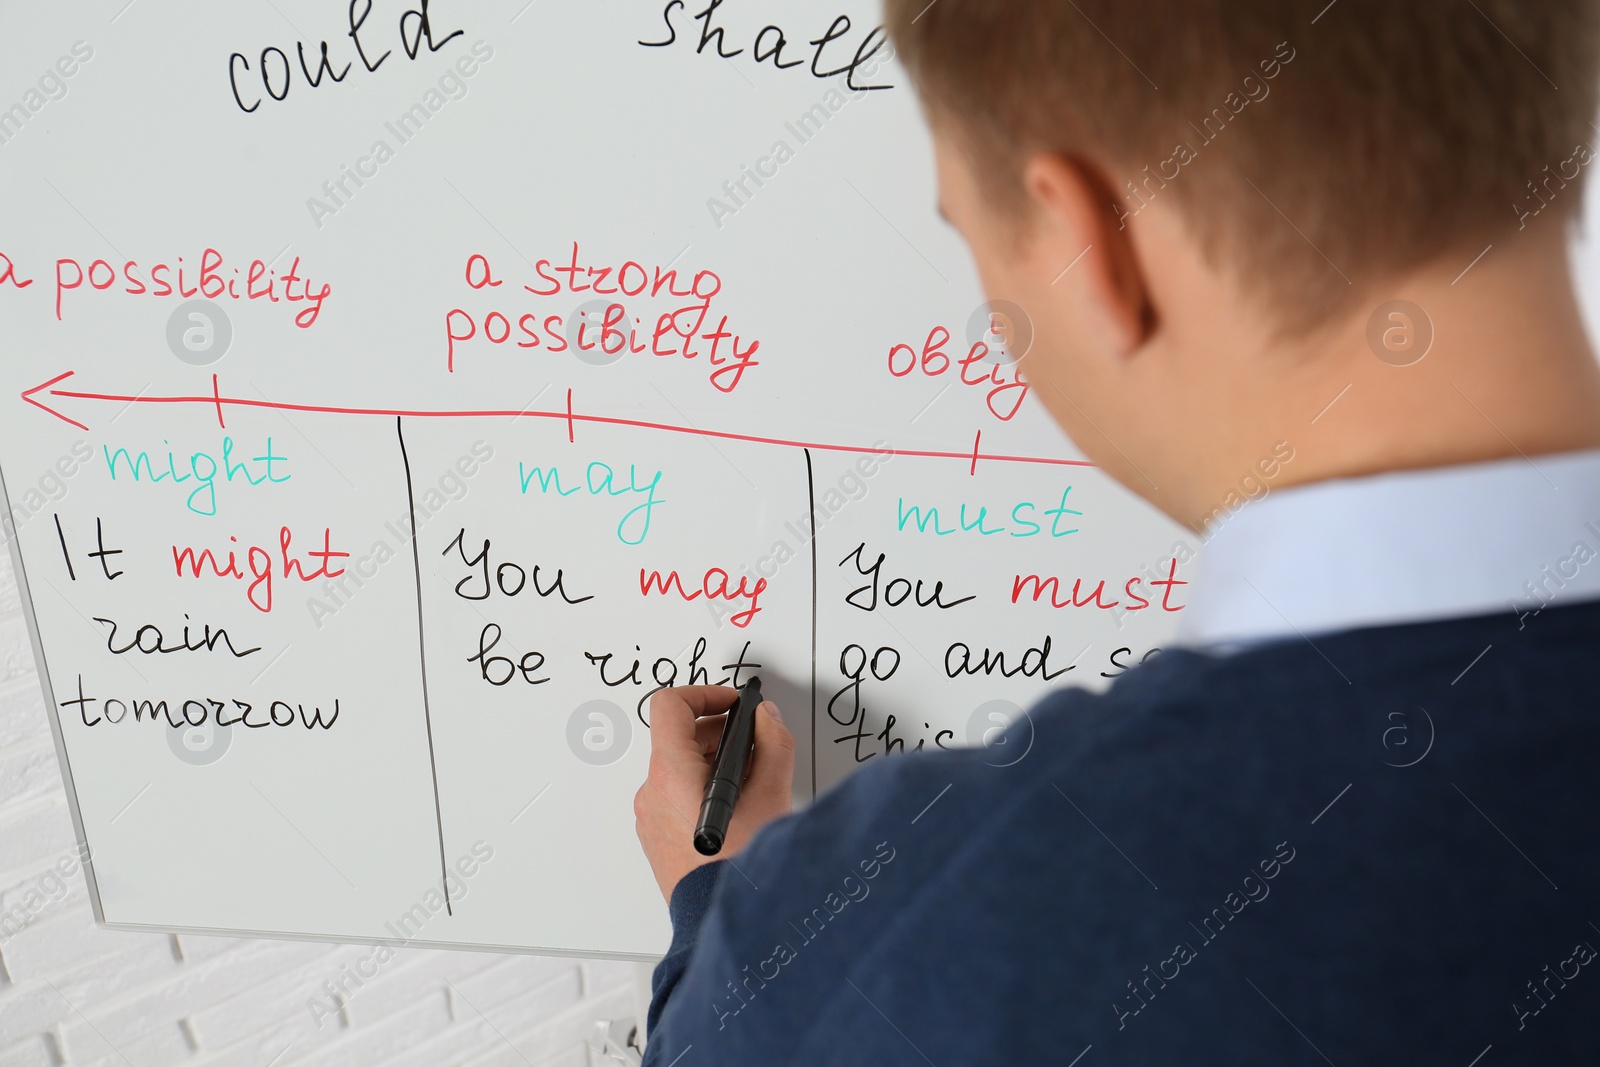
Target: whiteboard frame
41, 667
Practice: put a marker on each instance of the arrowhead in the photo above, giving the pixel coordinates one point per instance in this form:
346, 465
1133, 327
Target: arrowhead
27, 395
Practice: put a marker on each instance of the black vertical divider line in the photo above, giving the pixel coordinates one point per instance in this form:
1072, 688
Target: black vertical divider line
811, 505
422, 659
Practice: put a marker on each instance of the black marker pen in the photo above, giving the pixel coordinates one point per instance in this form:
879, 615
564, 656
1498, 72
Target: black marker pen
727, 773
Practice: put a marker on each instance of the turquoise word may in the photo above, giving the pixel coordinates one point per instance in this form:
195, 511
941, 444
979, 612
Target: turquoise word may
600, 480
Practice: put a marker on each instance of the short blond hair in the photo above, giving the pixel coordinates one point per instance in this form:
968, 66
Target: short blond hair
1328, 146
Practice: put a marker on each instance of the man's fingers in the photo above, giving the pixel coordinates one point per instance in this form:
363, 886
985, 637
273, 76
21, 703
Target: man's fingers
708, 731
674, 713
706, 699
772, 772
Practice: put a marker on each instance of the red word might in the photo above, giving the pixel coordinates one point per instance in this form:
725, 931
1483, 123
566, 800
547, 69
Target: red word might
261, 564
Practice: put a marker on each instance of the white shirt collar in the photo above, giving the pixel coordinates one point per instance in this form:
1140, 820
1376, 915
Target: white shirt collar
1513, 536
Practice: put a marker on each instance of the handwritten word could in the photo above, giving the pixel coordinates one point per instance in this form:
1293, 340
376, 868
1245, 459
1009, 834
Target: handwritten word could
202, 468
599, 479
927, 519
713, 586
181, 714
620, 328
259, 282
277, 76
262, 565
1005, 395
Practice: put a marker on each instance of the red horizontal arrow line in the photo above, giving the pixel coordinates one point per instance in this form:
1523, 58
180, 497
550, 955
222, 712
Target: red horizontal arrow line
218, 401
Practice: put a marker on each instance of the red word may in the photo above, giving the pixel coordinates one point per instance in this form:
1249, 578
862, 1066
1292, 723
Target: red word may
714, 586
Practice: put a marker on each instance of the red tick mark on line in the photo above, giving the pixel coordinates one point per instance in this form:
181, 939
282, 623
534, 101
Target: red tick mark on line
216, 396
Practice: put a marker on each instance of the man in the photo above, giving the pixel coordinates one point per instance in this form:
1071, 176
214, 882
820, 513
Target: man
1353, 820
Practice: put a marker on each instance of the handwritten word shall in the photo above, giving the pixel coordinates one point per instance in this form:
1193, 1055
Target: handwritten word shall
769, 43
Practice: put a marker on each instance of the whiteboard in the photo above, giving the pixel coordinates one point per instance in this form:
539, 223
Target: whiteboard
492, 388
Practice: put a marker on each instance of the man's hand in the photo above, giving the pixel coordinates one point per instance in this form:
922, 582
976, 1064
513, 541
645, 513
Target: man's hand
685, 724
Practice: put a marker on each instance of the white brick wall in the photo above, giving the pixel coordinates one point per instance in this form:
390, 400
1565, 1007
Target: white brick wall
74, 993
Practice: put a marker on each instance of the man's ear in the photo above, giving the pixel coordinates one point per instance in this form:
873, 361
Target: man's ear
1078, 215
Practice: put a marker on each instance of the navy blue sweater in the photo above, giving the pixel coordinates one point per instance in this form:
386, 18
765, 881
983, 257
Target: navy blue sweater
1380, 849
